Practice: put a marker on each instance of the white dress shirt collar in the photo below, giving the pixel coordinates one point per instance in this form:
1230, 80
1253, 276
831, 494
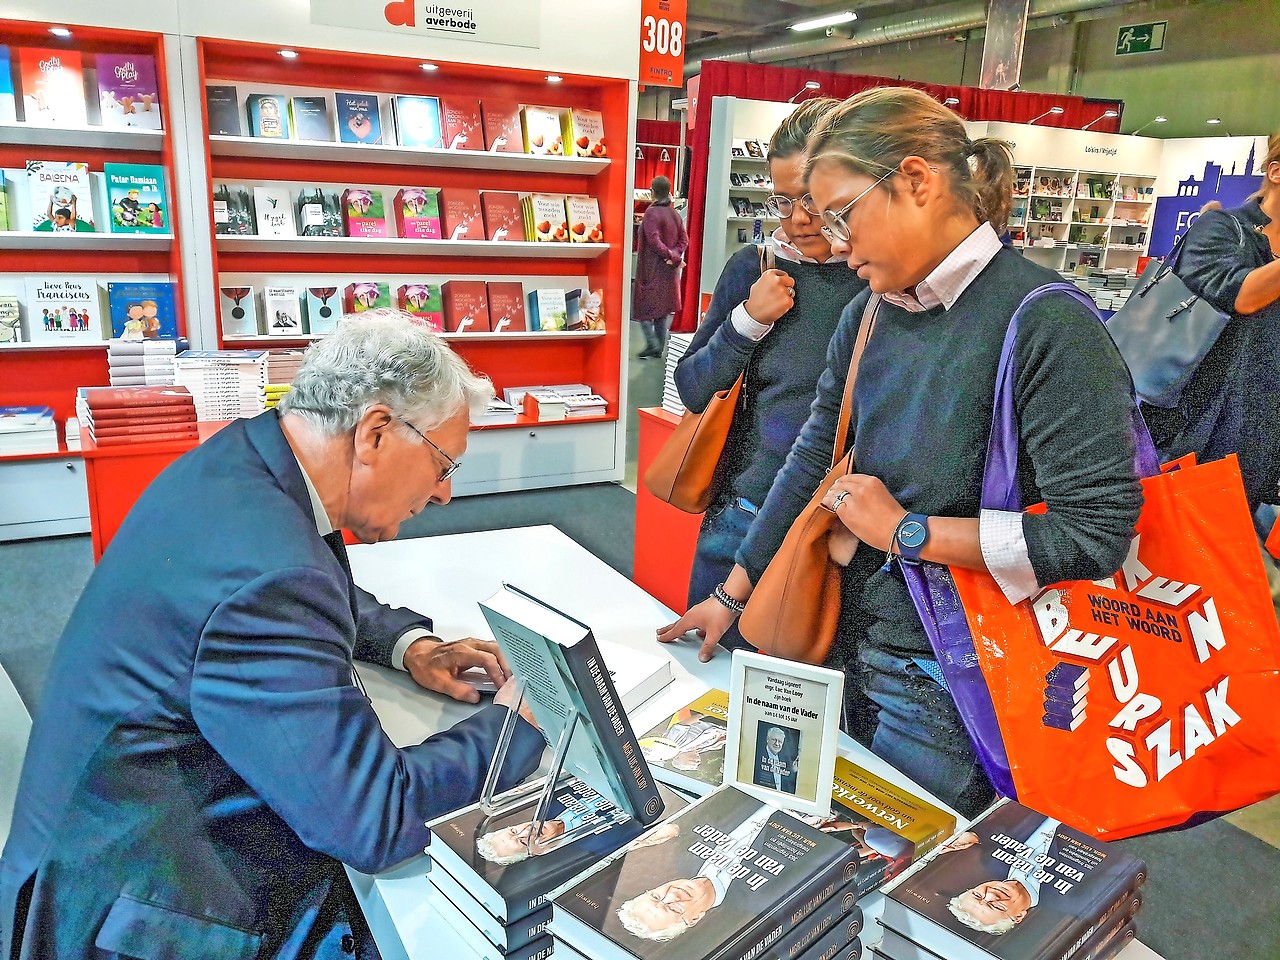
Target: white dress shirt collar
786, 250
943, 286
323, 525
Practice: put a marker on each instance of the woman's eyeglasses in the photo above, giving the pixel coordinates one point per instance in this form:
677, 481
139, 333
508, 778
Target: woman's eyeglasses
835, 223
782, 207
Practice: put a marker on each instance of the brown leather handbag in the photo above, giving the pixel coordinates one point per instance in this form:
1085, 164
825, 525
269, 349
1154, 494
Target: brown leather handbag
687, 471
794, 610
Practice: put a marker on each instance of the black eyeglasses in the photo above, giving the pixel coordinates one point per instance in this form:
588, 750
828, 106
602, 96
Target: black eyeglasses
453, 466
782, 207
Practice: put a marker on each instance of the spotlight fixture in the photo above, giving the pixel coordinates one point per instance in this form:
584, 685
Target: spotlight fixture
1056, 111
554, 78
817, 23
288, 54
808, 85
60, 32
951, 102
1155, 119
1217, 122
429, 67
1105, 116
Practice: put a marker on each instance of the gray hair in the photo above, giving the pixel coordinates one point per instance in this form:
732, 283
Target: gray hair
383, 356
484, 847
638, 928
997, 927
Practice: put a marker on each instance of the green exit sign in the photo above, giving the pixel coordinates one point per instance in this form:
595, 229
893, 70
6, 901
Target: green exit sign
1141, 38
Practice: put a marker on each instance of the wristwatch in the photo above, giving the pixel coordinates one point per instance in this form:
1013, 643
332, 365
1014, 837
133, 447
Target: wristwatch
911, 535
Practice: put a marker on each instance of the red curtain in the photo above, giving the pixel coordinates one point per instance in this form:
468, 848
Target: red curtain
657, 143
721, 78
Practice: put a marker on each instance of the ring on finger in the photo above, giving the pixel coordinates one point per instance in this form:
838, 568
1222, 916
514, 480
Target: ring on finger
839, 499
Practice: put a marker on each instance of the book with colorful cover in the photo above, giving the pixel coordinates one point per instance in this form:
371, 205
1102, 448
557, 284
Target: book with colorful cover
61, 196
417, 121
52, 87
323, 309
584, 130
506, 306
543, 131
460, 214
503, 215
274, 207
8, 96
310, 118
466, 306
424, 303
268, 116
5, 183
128, 92
233, 213
136, 198
64, 310
584, 219
363, 212
282, 311
142, 310
318, 212
686, 750
238, 308
725, 878
366, 295
418, 213
548, 309
497, 862
10, 319
359, 118
546, 220
500, 120
460, 118
222, 110
1017, 885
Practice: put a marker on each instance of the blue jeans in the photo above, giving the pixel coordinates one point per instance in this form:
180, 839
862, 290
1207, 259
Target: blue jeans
724, 526
655, 333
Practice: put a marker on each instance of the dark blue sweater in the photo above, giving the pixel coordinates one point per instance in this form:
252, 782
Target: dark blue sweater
784, 366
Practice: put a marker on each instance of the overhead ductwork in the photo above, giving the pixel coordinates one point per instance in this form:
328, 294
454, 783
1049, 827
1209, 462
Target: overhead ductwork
953, 18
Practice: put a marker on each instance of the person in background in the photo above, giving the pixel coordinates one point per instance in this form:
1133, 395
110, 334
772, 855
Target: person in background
1232, 402
660, 250
203, 761
916, 208
775, 326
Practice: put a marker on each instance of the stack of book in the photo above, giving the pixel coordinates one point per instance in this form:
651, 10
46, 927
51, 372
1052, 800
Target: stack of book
677, 344
496, 410
726, 878
273, 393
1016, 885
27, 430
141, 363
72, 433
226, 384
120, 415
282, 365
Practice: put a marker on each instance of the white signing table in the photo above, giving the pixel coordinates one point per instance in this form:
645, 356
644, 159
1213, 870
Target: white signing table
445, 577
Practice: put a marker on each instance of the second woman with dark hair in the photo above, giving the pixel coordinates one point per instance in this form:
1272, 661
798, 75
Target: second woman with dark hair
776, 327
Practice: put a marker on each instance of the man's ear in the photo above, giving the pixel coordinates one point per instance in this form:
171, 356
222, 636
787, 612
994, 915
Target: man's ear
370, 431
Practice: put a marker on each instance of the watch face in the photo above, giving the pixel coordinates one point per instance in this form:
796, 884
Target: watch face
912, 534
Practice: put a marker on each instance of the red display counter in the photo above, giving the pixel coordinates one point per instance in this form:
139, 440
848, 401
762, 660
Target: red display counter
665, 537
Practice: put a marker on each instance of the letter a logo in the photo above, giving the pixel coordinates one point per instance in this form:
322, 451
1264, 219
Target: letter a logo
400, 13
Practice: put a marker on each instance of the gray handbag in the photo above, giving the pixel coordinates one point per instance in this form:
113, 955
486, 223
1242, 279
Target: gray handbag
1164, 330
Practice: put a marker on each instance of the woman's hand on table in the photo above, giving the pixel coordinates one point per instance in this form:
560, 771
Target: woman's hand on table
708, 620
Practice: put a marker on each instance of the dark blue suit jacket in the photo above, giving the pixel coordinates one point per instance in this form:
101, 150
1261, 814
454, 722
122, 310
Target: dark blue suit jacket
201, 764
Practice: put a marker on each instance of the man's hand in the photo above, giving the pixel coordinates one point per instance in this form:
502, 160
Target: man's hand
438, 665
507, 696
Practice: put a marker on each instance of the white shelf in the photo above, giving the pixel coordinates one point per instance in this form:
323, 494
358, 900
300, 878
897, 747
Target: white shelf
764, 191
765, 219
30, 240
401, 246
1137, 203
384, 154
99, 345
464, 337
107, 138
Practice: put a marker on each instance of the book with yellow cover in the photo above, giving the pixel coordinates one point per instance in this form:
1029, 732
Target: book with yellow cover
686, 750
543, 131
584, 132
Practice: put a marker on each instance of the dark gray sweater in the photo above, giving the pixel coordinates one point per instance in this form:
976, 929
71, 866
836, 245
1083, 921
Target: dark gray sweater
923, 407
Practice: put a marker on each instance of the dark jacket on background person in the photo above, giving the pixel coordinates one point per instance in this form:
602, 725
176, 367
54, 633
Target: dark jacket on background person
661, 238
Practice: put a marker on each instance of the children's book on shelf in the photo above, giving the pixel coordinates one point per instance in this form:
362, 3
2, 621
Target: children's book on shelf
274, 206
584, 129
725, 878
233, 213
543, 131
501, 122
1016, 885
310, 118
237, 306
366, 295
136, 198
363, 212
64, 310
417, 121
268, 116
52, 87
584, 220
424, 303
418, 213
546, 220
282, 311
548, 309
319, 212
61, 197
127, 91
460, 214
460, 119
323, 309
686, 749
506, 306
222, 110
466, 306
8, 96
503, 215
359, 119
10, 320
142, 310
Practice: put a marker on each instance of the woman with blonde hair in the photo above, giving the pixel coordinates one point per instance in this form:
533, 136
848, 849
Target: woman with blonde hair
916, 208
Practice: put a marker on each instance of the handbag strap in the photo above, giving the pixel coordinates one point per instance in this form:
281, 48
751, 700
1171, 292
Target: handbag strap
1000, 478
841, 445
1170, 264
768, 258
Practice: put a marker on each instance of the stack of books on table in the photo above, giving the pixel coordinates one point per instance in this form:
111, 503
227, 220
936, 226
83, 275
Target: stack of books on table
726, 878
282, 365
490, 881
273, 393
141, 363
1016, 885
677, 344
123, 415
27, 430
226, 384
72, 433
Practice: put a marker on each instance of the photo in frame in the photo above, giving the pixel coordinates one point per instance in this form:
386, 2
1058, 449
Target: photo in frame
784, 720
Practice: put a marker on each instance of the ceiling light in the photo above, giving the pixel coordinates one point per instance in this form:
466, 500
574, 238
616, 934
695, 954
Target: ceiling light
1214, 120
554, 78
289, 54
429, 67
951, 102
60, 32
1107, 114
1056, 111
1157, 119
808, 85
848, 16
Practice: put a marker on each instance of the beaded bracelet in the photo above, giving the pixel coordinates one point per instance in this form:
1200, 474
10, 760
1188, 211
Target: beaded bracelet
737, 606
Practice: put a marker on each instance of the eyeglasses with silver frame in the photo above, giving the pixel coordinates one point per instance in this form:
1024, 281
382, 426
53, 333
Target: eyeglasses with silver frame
453, 464
835, 224
782, 207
